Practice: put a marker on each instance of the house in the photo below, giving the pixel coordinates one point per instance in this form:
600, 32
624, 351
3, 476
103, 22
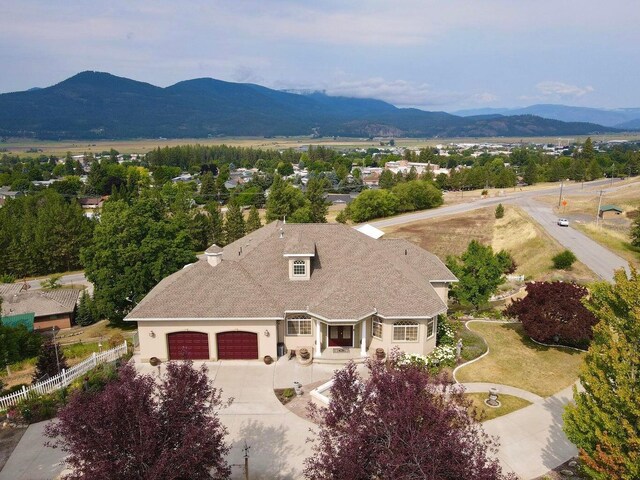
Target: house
325, 287
6, 193
50, 307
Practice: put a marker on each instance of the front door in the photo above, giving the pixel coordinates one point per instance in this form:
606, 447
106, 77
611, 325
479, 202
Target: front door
340, 336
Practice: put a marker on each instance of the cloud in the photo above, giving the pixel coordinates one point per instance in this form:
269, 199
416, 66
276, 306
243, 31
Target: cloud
560, 89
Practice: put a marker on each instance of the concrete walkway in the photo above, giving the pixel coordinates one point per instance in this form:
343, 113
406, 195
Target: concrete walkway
531, 439
31, 460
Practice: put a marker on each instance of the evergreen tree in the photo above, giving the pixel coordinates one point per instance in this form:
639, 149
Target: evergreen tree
253, 221
499, 211
635, 233
412, 175
50, 361
86, 314
208, 186
234, 222
588, 153
216, 233
593, 170
318, 205
604, 422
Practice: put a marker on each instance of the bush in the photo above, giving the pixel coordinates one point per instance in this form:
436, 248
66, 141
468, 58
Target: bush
7, 278
373, 204
564, 260
37, 408
115, 340
499, 211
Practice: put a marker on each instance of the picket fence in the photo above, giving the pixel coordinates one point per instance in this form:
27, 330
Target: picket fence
65, 377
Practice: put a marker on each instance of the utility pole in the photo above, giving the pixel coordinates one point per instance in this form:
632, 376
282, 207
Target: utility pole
246, 460
613, 167
599, 205
560, 198
55, 345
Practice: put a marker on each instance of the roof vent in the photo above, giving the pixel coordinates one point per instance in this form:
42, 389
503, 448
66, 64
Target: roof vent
405, 251
281, 232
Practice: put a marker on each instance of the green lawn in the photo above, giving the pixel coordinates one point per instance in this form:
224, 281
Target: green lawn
508, 404
515, 360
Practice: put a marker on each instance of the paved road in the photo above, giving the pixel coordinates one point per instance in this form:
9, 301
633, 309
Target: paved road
599, 259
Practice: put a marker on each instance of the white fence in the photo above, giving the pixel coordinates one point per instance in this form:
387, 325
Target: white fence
65, 377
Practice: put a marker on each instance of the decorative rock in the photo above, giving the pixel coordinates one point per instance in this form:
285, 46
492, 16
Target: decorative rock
566, 472
573, 464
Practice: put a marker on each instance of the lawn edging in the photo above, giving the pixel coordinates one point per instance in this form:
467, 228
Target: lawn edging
558, 346
466, 325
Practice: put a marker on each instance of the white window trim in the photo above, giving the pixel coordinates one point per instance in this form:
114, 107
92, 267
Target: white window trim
375, 321
433, 333
300, 263
299, 320
403, 325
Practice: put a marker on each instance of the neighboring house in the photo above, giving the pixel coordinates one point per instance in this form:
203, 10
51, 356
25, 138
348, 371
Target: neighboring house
326, 287
6, 193
340, 198
92, 205
50, 307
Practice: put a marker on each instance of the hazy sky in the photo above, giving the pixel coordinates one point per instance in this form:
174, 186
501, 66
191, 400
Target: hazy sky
434, 54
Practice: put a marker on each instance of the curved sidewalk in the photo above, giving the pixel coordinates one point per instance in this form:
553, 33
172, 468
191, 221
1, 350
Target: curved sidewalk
532, 441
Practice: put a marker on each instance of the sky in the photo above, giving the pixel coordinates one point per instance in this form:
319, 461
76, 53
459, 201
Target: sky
430, 54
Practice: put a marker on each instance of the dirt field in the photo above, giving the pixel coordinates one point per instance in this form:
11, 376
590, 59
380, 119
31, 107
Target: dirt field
448, 235
16, 145
530, 246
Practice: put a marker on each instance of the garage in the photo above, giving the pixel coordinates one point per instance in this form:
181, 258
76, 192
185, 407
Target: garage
188, 346
237, 345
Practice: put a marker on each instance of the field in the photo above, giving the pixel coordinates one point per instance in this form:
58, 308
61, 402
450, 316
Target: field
530, 246
144, 145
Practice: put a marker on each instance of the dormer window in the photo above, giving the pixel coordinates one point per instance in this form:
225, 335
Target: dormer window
299, 268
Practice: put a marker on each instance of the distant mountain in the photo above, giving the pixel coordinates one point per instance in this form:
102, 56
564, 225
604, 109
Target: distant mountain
622, 118
94, 105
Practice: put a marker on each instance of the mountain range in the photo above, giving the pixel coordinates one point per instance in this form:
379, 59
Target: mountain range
98, 105
622, 118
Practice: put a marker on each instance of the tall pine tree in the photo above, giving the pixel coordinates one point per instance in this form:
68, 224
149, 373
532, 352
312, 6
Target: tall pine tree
318, 204
234, 222
253, 221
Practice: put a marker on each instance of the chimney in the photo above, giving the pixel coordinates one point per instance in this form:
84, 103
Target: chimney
214, 255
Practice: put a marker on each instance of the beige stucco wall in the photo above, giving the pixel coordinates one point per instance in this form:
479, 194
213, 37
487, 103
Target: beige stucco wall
423, 346
157, 346
442, 289
307, 268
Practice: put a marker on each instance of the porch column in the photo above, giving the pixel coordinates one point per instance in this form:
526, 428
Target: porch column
363, 341
318, 339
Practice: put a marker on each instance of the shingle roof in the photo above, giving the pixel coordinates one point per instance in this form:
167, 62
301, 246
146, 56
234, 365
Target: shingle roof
41, 302
352, 276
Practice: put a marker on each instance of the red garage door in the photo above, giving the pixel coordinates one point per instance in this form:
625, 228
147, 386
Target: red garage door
188, 346
237, 345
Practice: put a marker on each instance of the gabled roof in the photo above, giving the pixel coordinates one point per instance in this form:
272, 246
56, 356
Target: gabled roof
610, 208
352, 276
41, 302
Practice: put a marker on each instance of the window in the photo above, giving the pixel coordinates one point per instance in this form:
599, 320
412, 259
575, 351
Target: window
431, 327
299, 268
376, 327
299, 326
405, 332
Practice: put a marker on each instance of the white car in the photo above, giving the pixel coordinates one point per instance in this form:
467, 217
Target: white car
563, 222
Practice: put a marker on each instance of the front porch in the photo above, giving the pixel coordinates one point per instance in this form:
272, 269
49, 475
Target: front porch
340, 355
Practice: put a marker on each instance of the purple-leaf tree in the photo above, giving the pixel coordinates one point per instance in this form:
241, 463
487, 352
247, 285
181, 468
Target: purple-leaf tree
399, 423
552, 312
138, 428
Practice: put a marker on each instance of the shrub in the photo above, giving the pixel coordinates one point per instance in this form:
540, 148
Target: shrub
115, 340
499, 211
7, 278
564, 260
552, 312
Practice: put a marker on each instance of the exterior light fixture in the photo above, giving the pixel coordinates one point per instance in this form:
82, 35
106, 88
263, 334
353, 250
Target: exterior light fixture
152, 334
267, 333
